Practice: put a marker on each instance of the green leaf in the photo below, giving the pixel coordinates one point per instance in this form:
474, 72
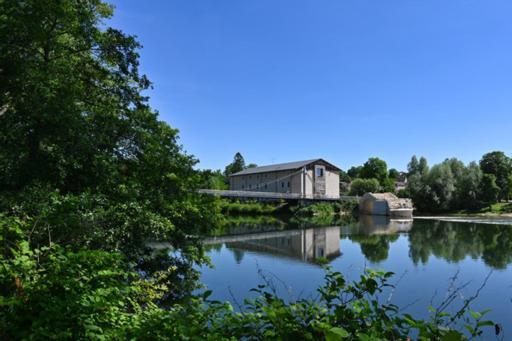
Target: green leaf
452, 335
336, 333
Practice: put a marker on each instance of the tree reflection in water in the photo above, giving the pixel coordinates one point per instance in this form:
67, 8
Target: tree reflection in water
451, 241
454, 241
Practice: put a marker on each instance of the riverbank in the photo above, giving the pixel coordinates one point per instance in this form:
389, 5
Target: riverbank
498, 210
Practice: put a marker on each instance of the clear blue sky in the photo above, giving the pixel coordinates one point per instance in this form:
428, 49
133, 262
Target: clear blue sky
285, 80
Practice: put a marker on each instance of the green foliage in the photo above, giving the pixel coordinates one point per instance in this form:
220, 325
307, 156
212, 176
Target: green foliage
85, 161
237, 165
498, 164
354, 172
213, 180
450, 186
393, 174
344, 177
248, 207
54, 292
488, 189
375, 168
417, 167
362, 186
317, 209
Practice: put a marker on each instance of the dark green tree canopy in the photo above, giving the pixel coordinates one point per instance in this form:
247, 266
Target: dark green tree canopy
417, 167
237, 165
375, 168
393, 174
354, 172
81, 151
74, 113
499, 165
362, 186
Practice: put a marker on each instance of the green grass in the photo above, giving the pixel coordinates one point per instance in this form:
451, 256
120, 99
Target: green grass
498, 208
494, 209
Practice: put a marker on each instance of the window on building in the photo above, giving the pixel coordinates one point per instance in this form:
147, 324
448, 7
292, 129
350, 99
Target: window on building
265, 186
282, 184
288, 184
319, 172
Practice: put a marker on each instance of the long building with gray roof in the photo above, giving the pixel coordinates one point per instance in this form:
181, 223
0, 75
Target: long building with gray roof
309, 178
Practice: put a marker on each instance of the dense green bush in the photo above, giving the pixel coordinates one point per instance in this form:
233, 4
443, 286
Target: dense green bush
362, 186
316, 209
248, 207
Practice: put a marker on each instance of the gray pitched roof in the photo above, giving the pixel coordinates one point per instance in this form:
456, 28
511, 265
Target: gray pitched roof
280, 167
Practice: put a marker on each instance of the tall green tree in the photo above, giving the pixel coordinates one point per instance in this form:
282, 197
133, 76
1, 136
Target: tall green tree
489, 190
417, 167
354, 172
393, 173
375, 168
237, 165
81, 151
499, 165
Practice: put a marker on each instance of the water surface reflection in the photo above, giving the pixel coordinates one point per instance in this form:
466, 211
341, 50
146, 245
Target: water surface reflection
424, 253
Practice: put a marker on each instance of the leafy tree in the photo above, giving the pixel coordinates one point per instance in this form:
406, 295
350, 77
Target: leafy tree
354, 172
499, 165
388, 185
417, 167
252, 165
393, 174
213, 179
237, 165
82, 152
413, 165
362, 186
375, 168
423, 165
467, 196
344, 177
489, 190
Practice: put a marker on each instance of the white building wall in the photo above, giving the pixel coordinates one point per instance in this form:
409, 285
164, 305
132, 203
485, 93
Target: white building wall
332, 184
291, 181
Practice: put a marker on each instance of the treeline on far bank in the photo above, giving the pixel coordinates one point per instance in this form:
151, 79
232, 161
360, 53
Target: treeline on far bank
445, 187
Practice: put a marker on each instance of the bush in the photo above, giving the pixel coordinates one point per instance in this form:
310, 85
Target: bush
362, 186
247, 208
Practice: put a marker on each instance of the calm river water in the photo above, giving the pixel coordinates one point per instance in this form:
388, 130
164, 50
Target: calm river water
424, 254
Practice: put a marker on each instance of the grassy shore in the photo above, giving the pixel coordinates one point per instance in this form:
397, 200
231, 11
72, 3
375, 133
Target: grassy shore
502, 209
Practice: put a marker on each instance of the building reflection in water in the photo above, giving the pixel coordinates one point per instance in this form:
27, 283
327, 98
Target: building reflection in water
310, 245
307, 245
375, 225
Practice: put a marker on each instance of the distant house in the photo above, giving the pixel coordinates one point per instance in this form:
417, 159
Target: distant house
401, 181
385, 204
310, 178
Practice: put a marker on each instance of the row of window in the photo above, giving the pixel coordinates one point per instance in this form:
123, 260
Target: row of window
282, 186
